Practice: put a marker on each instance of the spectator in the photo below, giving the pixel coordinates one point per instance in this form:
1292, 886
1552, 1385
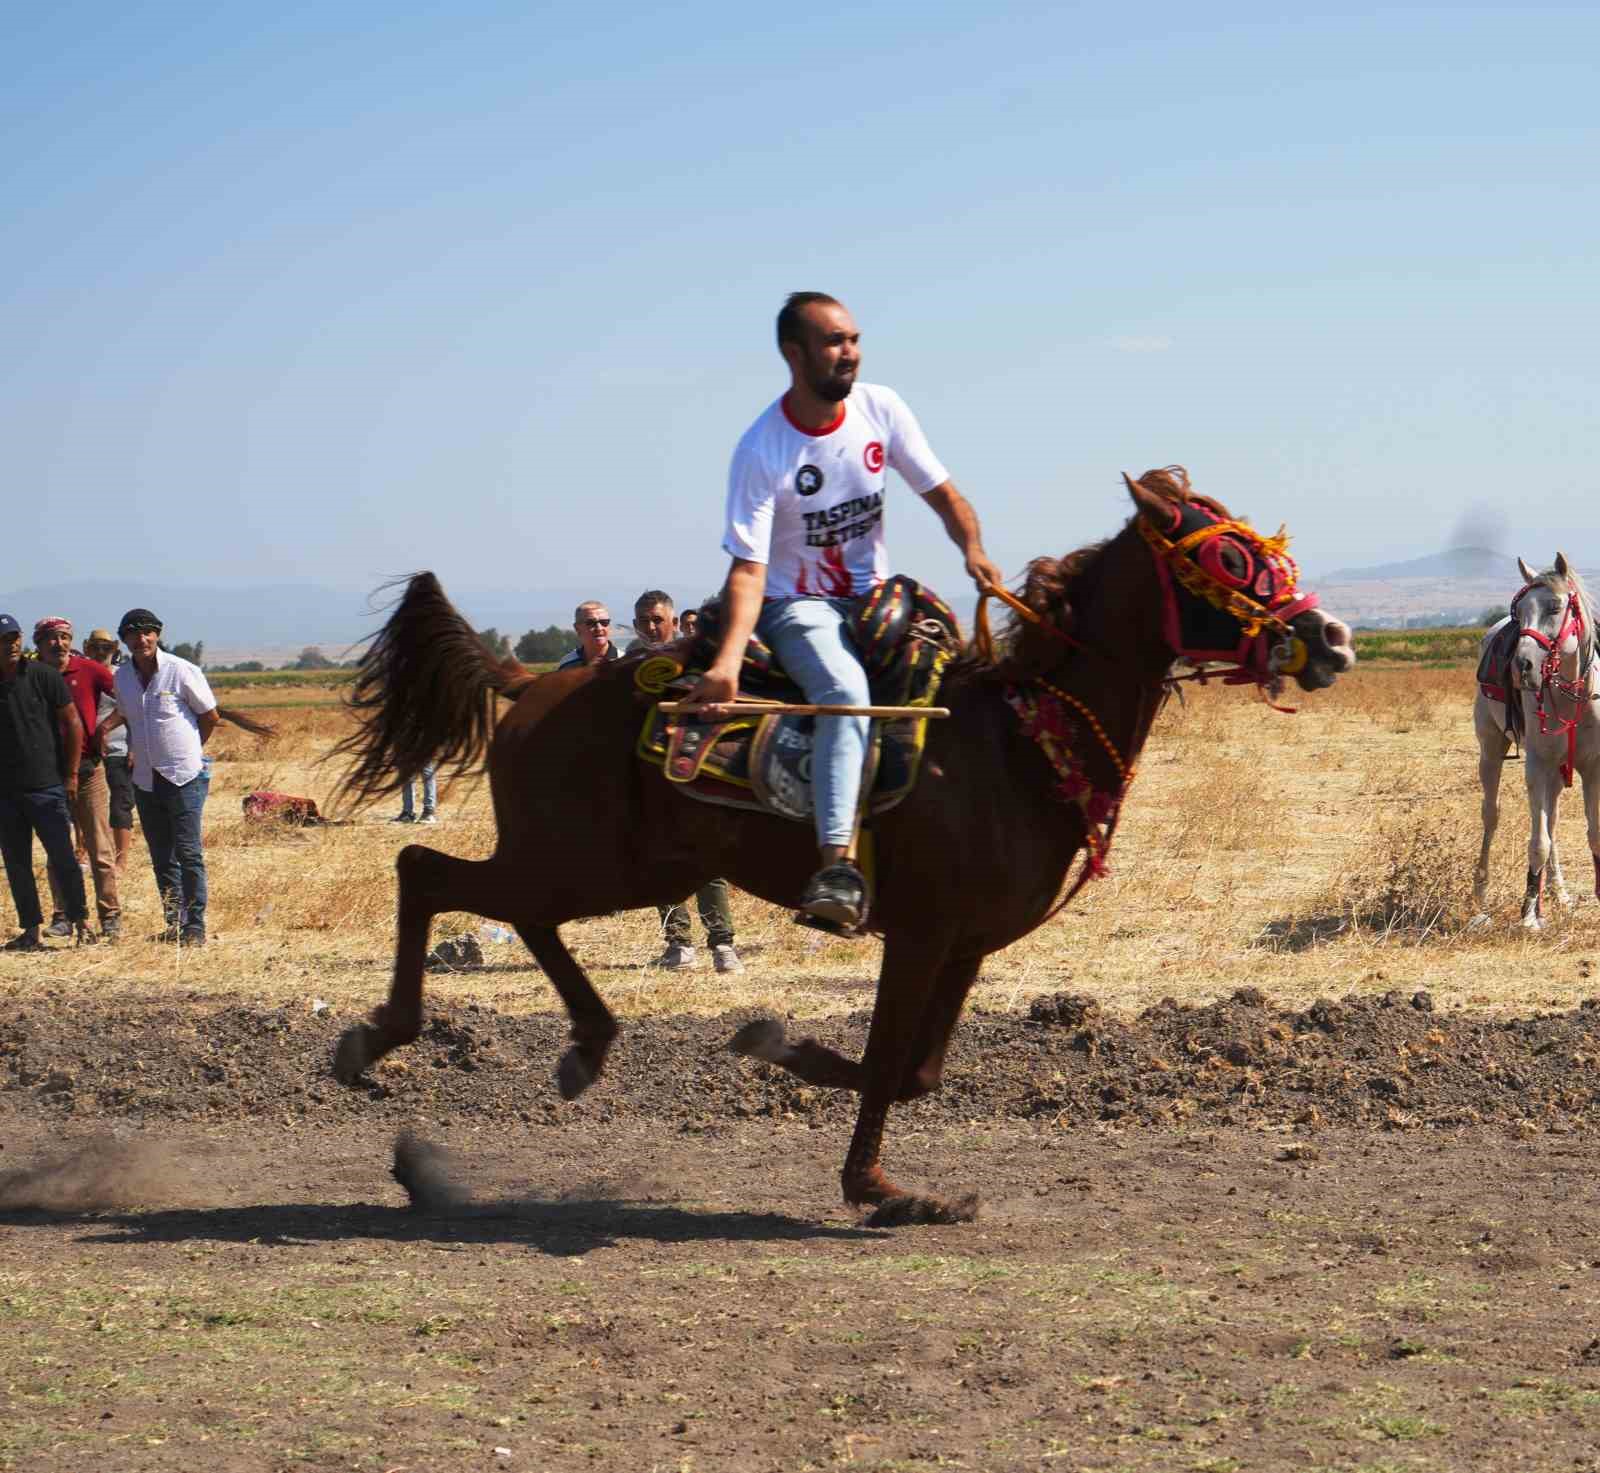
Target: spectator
430, 800
689, 623
41, 745
171, 713
656, 621
90, 682
592, 622
114, 744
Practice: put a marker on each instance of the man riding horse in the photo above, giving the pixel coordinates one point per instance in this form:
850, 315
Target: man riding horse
805, 532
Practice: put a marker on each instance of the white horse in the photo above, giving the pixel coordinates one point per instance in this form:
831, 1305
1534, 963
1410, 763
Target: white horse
1553, 673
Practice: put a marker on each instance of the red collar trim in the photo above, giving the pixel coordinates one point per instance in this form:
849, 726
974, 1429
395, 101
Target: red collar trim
816, 434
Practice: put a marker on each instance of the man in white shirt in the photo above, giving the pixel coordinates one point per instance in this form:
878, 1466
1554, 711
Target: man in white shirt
805, 532
171, 713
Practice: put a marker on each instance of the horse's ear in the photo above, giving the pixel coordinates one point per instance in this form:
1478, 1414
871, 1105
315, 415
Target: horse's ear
1158, 508
1563, 567
1528, 575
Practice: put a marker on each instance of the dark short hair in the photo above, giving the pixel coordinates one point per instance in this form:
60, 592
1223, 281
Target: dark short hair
789, 316
650, 598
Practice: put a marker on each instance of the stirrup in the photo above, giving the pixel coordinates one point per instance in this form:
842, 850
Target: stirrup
827, 903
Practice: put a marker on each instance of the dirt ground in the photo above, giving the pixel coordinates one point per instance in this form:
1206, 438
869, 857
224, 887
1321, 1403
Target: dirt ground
1362, 1235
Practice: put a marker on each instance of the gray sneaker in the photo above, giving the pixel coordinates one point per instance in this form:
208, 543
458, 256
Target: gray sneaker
726, 959
59, 926
428, 818
676, 958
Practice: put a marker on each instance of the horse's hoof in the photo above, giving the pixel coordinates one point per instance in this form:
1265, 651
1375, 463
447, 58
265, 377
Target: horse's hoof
1532, 923
357, 1052
909, 1210
573, 1074
762, 1039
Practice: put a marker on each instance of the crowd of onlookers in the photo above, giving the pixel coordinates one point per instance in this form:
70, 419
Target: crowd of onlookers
90, 737
86, 739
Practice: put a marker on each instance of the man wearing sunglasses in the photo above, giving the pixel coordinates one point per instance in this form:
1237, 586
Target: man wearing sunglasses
592, 623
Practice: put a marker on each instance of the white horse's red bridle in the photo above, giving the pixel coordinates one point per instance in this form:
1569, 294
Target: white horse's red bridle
1576, 691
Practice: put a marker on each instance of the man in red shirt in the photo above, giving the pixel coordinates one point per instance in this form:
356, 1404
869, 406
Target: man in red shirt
88, 680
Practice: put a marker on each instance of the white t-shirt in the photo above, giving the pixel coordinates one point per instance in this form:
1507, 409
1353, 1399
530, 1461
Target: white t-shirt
810, 506
163, 719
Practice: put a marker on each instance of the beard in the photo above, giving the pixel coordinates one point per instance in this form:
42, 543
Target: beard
832, 388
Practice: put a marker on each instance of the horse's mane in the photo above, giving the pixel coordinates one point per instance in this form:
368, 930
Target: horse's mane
1055, 587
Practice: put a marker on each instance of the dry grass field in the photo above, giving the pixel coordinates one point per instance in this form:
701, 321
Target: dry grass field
1231, 1237
1311, 855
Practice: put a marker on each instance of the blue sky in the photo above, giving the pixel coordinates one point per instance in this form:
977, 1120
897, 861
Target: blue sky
329, 292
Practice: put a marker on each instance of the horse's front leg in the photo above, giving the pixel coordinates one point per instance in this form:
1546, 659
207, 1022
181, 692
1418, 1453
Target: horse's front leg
912, 965
1591, 810
1544, 784
1492, 745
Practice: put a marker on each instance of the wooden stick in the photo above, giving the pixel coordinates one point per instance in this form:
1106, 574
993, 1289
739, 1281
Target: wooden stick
731, 709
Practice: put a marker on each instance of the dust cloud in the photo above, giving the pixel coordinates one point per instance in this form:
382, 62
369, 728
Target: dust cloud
1482, 525
99, 1175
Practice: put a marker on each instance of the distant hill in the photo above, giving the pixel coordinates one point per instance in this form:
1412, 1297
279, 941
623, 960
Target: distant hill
1455, 586
1453, 562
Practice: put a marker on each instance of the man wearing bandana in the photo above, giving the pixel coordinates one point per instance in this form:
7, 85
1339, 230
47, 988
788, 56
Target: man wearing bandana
89, 681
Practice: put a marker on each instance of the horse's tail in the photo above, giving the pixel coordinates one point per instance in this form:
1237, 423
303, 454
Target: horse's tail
421, 694
246, 723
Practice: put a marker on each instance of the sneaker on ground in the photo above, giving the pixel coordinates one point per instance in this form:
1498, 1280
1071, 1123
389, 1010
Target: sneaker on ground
111, 929
404, 818
726, 959
429, 818
26, 941
59, 926
192, 936
836, 894
676, 957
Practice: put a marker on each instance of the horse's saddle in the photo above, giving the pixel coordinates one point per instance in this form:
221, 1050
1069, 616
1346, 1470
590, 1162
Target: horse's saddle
905, 635
1494, 672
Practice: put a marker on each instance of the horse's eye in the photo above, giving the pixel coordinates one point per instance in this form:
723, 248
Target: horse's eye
1234, 560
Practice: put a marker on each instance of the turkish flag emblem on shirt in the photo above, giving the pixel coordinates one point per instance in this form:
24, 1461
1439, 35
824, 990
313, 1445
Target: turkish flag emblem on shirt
873, 456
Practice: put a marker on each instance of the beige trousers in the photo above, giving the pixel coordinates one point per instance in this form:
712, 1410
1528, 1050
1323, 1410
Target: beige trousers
92, 814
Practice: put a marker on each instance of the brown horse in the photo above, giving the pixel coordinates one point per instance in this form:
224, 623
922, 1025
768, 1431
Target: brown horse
973, 859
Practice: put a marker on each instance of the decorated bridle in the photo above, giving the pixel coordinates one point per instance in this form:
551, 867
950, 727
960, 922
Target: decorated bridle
1245, 591
1576, 691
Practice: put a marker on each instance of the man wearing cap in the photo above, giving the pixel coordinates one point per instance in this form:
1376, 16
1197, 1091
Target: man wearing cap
102, 645
171, 713
41, 743
88, 680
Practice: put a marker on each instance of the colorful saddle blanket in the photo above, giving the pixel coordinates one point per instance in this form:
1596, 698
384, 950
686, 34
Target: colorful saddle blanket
906, 635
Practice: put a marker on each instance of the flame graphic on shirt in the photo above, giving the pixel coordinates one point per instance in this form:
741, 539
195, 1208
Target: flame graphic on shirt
833, 578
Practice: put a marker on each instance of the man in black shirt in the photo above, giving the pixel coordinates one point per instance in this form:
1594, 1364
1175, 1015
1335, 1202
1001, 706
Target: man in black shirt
41, 744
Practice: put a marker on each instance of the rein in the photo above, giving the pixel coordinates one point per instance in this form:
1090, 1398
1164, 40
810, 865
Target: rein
1576, 691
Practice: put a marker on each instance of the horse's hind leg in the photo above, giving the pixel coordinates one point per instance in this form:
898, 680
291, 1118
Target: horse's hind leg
593, 1027
1591, 812
429, 882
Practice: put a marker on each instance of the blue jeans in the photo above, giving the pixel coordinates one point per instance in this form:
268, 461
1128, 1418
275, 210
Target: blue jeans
170, 817
43, 812
430, 794
808, 636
